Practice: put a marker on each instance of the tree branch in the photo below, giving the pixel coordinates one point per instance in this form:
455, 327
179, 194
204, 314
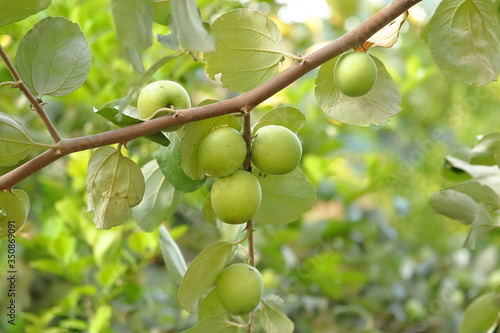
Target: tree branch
246, 101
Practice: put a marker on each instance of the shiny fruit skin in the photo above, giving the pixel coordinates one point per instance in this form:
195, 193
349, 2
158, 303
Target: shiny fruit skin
355, 73
222, 151
276, 150
239, 288
236, 198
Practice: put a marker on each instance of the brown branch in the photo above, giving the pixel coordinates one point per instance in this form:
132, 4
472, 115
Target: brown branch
35, 103
246, 101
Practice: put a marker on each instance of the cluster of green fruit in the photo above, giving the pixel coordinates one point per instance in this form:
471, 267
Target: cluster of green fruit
238, 291
355, 73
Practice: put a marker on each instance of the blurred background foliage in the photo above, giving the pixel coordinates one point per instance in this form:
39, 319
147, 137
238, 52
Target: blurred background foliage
371, 256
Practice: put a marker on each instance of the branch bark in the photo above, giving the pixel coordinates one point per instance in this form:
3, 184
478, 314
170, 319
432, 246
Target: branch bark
242, 103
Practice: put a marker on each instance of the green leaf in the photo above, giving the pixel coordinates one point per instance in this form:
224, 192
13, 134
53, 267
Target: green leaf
101, 319
169, 160
482, 314
115, 184
487, 175
478, 192
133, 22
54, 57
15, 143
202, 273
487, 150
284, 198
217, 324
272, 318
14, 209
160, 200
247, 49
464, 36
172, 256
15, 11
124, 119
161, 12
193, 133
208, 212
187, 25
481, 225
286, 116
454, 204
373, 108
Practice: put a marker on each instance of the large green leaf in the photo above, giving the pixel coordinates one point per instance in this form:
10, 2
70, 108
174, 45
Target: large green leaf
114, 184
373, 108
54, 57
169, 160
454, 204
284, 198
133, 22
187, 25
464, 36
15, 10
124, 119
482, 224
287, 116
478, 192
160, 199
14, 209
202, 273
272, 318
15, 143
172, 255
247, 49
481, 315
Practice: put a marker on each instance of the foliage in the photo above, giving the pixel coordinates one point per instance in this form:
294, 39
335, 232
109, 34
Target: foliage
350, 240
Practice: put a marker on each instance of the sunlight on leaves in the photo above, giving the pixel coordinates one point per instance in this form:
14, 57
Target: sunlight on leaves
464, 37
15, 143
248, 49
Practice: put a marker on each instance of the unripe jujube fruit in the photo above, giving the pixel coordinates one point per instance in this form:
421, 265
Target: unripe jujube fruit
222, 152
276, 150
236, 198
355, 73
239, 288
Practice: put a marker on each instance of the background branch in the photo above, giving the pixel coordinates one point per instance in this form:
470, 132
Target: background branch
246, 101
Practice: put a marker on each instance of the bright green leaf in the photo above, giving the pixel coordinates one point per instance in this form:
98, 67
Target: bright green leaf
487, 150
133, 22
284, 198
160, 200
15, 143
373, 108
172, 255
14, 209
214, 324
15, 11
454, 204
187, 25
272, 318
482, 314
464, 36
286, 116
481, 225
54, 57
247, 49
169, 160
101, 319
202, 273
115, 184
161, 12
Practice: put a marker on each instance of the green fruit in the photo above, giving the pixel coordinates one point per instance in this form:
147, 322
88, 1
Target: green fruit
162, 94
222, 152
276, 150
239, 288
210, 306
355, 73
236, 198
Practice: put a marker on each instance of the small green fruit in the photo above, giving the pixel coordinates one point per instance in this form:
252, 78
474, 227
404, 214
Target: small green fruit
276, 150
355, 73
162, 94
239, 288
236, 198
222, 152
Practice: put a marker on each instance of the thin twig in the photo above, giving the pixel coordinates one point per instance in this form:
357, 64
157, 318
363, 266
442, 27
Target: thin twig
37, 106
246, 101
